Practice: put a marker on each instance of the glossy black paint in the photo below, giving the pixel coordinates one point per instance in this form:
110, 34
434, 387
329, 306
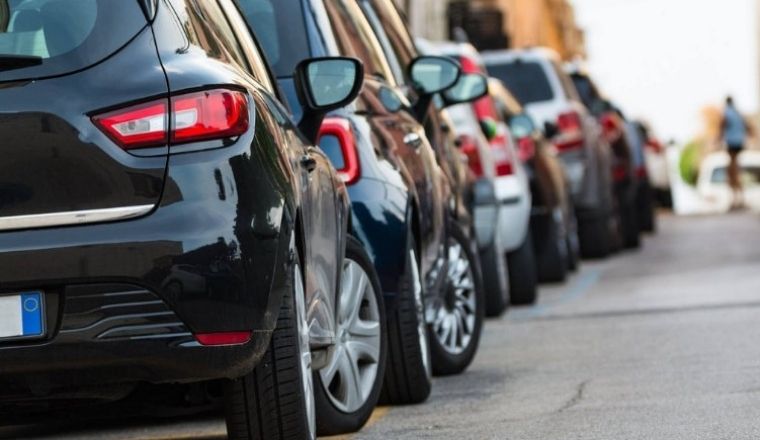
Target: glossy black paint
213, 254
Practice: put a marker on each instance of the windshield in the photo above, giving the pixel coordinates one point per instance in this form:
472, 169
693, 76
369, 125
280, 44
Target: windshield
527, 80
53, 37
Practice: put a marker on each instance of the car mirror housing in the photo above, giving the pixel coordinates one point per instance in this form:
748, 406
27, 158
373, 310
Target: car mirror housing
432, 74
470, 87
323, 85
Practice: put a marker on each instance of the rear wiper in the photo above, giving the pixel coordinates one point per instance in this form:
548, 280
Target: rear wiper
10, 62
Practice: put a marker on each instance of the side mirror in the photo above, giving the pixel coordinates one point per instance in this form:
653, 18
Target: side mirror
470, 87
550, 130
431, 75
522, 126
490, 128
324, 85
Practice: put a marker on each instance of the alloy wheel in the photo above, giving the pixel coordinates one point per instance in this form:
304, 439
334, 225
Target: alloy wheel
304, 352
419, 303
350, 376
455, 319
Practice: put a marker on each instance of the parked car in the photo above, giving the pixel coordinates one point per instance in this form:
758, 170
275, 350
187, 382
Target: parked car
172, 224
512, 190
553, 223
624, 164
644, 203
455, 311
397, 189
657, 165
550, 98
713, 184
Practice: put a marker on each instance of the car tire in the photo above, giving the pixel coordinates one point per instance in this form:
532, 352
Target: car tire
275, 400
629, 224
523, 273
595, 236
645, 208
552, 253
456, 327
347, 389
408, 371
495, 280
573, 242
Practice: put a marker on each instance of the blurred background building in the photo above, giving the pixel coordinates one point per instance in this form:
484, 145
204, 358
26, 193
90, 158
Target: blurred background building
499, 24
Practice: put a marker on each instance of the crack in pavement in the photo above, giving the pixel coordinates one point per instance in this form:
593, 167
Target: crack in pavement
581, 389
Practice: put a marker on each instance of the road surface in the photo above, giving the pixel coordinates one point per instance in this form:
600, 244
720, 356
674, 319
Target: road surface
658, 344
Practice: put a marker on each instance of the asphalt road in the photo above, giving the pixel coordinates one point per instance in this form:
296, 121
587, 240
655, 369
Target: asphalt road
658, 344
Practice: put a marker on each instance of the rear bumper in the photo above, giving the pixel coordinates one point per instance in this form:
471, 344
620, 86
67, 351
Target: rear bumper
124, 299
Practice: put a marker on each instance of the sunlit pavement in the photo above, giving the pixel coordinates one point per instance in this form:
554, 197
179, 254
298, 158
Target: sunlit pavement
658, 344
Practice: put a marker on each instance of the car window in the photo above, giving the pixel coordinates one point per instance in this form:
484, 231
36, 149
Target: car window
40, 38
356, 38
586, 90
526, 79
280, 29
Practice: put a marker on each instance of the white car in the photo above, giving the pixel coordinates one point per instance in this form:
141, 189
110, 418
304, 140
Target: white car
713, 186
549, 96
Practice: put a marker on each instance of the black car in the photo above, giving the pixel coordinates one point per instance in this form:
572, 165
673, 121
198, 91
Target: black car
163, 220
393, 178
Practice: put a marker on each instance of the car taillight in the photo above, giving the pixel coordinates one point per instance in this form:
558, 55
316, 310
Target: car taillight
340, 129
570, 132
140, 126
212, 114
227, 338
501, 156
468, 146
198, 116
610, 127
526, 148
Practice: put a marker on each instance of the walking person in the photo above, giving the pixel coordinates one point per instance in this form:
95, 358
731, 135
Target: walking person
734, 131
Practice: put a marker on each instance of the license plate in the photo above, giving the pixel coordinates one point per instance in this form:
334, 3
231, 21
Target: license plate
22, 316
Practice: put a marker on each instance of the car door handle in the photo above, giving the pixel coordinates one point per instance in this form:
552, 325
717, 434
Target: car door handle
308, 162
413, 140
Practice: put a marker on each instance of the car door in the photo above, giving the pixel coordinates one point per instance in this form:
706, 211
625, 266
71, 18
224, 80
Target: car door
323, 199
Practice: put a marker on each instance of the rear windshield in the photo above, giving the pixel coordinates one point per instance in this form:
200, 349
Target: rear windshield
40, 38
280, 29
526, 80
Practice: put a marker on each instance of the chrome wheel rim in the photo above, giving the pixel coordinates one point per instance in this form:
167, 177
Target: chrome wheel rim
350, 376
455, 318
419, 304
304, 352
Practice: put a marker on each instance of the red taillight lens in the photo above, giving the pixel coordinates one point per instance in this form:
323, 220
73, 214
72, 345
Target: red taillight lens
526, 148
227, 338
611, 126
140, 126
468, 146
569, 122
502, 156
211, 114
340, 130
570, 128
